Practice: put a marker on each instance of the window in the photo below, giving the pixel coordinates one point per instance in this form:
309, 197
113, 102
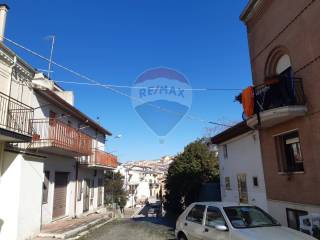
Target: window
289, 153
214, 217
225, 151
45, 187
228, 183
249, 217
255, 181
52, 118
283, 64
293, 218
196, 214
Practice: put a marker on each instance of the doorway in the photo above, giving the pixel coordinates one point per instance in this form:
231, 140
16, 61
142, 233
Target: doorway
242, 188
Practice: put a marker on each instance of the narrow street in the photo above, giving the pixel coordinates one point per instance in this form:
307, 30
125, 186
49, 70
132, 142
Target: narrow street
144, 228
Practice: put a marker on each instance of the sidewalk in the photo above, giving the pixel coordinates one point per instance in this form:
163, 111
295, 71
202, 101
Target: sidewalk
67, 228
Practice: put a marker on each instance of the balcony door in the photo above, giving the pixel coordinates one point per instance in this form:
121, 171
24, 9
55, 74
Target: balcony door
86, 193
242, 188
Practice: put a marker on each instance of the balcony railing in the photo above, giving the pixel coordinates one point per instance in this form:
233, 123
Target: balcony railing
277, 93
15, 116
277, 100
101, 158
57, 134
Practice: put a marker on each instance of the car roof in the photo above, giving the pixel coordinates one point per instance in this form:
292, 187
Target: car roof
222, 204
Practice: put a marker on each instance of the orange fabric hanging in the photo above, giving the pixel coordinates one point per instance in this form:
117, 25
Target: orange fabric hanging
248, 101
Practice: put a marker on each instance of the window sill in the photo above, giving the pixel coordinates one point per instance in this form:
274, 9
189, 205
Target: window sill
291, 173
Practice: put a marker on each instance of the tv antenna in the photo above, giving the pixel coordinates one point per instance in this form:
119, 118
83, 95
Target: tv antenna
51, 53
48, 71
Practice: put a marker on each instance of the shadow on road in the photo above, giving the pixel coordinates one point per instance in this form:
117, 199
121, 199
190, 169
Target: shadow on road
157, 220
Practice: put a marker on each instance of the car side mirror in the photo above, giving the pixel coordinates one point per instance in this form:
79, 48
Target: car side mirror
221, 228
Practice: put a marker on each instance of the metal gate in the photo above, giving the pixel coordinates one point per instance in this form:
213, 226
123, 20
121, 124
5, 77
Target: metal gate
60, 194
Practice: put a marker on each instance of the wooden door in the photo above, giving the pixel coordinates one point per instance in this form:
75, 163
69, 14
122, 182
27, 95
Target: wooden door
60, 194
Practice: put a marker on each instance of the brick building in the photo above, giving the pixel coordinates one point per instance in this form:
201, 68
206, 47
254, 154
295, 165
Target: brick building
283, 38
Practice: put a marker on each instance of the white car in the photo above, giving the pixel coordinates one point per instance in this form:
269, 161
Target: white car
231, 221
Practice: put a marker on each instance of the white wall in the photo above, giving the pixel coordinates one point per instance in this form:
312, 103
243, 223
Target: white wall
55, 163
89, 174
244, 157
277, 209
10, 196
20, 204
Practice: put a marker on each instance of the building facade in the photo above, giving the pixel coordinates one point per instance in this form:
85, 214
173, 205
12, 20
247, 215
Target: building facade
284, 52
52, 157
240, 164
145, 180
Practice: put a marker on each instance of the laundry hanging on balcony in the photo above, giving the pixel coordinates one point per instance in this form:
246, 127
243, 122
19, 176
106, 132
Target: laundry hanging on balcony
246, 98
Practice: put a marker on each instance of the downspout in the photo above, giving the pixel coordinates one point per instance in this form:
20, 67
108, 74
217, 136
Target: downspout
10, 86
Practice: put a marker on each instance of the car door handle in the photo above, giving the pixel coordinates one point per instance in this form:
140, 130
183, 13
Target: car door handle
186, 224
206, 230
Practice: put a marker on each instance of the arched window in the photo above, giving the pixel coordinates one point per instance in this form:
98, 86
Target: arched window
278, 62
283, 64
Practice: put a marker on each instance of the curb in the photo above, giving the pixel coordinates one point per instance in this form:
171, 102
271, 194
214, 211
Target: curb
78, 232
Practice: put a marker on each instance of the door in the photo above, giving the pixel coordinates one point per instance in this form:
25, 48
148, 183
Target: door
242, 188
86, 193
214, 218
60, 194
193, 223
100, 182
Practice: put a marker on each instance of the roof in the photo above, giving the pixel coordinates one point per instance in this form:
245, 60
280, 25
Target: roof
247, 10
19, 59
230, 133
61, 103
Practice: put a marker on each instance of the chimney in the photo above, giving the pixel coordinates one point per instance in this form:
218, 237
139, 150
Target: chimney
3, 15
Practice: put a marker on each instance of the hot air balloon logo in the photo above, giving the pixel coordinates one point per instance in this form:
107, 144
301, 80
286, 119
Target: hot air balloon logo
162, 97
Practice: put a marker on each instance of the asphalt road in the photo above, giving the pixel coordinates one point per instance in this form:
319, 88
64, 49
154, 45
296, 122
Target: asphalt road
141, 228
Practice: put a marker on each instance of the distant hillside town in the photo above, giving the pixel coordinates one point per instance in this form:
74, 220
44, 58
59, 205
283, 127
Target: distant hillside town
144, 180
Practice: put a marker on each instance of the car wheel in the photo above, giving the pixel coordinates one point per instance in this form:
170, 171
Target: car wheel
181, 236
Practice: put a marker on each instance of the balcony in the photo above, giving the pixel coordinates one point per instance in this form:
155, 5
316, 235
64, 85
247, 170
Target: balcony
15, 117
100, 159
277, 101
54, 136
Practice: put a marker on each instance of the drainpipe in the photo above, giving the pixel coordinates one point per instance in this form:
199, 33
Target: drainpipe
10, 87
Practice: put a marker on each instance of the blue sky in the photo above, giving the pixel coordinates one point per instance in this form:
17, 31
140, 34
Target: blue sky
115, 41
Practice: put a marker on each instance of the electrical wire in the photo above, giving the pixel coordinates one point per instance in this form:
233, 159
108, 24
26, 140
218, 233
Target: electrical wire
153, 88
191, 117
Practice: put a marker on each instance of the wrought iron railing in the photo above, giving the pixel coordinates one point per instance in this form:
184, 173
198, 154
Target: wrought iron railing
52, 132
279, 93
101, 158
15, 115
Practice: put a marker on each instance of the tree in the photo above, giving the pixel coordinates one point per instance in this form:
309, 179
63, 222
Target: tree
114, 191
189, 170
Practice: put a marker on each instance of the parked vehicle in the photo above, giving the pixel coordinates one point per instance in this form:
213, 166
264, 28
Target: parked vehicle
232, 221
154, 209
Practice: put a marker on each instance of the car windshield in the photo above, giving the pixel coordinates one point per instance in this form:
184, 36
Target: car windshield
249, 217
